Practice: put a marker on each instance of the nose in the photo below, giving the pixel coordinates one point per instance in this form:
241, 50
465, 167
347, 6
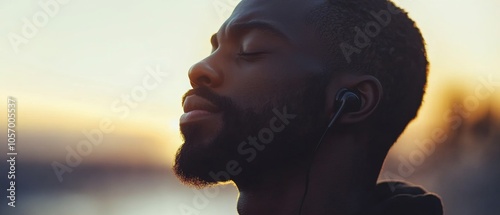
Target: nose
204, 74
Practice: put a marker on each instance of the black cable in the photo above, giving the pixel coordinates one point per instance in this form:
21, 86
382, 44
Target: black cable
334, 119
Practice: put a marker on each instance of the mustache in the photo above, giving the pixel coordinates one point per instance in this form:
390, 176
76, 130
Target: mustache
222, 102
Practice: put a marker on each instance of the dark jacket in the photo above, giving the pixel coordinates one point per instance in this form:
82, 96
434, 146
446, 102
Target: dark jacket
399, 198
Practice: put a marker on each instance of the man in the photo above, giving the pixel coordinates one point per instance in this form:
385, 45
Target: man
281, 73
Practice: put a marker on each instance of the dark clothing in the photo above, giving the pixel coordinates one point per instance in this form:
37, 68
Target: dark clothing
399, 198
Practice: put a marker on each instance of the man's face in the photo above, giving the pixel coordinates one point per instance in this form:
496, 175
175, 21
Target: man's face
257, 99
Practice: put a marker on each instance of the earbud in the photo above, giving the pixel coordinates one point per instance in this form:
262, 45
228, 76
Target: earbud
345, 101
349, 98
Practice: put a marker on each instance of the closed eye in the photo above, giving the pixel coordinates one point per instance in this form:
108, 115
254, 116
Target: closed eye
251, 53
251, 56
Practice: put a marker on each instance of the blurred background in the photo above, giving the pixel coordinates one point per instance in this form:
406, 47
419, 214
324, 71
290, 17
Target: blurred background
77, 68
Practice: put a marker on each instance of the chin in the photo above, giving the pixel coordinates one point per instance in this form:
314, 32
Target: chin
200, 158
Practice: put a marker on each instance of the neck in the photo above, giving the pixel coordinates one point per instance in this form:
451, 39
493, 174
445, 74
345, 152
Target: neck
340, 182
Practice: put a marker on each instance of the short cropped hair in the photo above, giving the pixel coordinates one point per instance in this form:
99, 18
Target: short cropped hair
377, 38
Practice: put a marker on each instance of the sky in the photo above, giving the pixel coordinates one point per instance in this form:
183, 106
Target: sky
80, 60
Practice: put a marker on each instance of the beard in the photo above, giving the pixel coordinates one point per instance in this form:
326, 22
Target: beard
201, 165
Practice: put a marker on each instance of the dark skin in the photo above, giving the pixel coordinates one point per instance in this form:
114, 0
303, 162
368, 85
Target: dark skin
251, 64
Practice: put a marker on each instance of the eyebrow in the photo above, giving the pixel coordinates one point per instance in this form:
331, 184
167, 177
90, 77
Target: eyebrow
241, 28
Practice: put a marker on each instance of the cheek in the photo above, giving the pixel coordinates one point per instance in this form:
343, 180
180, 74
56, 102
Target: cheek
265, 84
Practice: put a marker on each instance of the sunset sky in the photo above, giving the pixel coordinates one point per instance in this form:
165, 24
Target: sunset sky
75, 70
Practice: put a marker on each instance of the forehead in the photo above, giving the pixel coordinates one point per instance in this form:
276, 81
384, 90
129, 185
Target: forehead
289, 16
277, 8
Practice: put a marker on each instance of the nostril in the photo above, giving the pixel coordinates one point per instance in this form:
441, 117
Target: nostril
193, 84
203, 80
204, 74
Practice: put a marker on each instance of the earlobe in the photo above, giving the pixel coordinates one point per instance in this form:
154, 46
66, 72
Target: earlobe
370, 91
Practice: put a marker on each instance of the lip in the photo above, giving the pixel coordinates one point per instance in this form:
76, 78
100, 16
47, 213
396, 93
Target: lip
197, 108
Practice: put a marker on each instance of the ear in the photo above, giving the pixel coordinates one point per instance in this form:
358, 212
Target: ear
367, 87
